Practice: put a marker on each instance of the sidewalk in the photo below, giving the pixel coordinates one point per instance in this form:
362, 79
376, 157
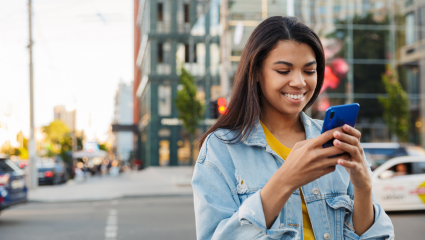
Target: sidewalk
153, 181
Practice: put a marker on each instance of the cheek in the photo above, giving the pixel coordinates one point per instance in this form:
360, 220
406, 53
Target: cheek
271, 83
311, 83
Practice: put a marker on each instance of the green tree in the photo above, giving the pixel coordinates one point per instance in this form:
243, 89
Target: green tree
191, 110
103, 147
395, 105
57, 138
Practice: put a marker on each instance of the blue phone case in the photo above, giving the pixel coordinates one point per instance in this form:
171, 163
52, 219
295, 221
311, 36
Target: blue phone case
337, 116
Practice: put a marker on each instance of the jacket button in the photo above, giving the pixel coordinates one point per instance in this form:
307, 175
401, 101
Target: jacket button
315, 191
327, 236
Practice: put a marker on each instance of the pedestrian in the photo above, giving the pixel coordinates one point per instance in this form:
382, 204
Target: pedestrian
262, 172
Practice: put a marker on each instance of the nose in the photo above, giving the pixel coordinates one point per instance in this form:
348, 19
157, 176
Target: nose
297, 81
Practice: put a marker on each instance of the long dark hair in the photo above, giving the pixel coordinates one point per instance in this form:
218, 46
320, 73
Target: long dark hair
244, 108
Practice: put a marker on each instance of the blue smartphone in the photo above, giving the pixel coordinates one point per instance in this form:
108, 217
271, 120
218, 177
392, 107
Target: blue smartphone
337, 116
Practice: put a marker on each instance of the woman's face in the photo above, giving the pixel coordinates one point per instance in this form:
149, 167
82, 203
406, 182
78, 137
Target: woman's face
288, 77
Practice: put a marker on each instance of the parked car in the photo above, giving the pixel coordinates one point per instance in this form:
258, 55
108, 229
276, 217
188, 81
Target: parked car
379, 153
13, 189
51, 172
399, 183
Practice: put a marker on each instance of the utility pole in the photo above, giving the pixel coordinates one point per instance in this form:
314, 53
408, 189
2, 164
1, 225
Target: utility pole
31, 144
224, 74
349, 89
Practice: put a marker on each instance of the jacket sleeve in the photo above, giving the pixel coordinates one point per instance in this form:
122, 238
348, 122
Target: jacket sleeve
220, 216
382, 227
218, 212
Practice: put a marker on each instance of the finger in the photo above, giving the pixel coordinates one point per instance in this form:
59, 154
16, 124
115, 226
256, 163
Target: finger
327, 162
347, 138
326, 136
327, 152
352, 150
347, 164
352, 131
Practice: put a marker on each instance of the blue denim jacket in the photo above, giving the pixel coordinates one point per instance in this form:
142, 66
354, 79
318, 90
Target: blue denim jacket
228, 179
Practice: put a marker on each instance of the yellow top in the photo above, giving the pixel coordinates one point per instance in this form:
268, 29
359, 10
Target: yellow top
283, 151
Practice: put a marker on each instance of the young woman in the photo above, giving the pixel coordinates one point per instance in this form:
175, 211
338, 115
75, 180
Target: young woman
262, 172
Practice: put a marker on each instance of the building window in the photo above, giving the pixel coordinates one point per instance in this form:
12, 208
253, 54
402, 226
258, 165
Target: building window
160, 53
421, 11
164, 100
160, 11
187, 53
186, 13
410, 28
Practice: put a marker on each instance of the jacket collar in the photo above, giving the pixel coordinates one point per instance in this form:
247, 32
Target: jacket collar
258, 137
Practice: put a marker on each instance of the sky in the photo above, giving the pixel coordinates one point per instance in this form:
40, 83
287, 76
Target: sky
82, 50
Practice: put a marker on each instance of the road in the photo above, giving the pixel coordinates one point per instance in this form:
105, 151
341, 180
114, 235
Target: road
134, 218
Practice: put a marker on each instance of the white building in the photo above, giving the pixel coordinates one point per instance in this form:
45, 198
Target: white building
123, 114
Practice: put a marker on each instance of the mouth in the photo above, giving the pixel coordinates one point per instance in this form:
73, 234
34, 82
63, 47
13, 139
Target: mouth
295, 97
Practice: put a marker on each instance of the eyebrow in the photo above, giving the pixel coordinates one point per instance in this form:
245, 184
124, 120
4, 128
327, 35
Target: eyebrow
291, 65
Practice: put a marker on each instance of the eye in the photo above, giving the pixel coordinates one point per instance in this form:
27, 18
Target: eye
283, 72
310, 72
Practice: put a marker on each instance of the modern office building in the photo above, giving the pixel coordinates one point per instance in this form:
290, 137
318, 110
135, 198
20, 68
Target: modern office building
412, 59
123, 115
163, 45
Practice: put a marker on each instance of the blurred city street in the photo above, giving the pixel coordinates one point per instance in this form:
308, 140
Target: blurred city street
154, 181
134, 218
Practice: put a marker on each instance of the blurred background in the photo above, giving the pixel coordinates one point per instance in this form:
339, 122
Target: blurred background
95, 135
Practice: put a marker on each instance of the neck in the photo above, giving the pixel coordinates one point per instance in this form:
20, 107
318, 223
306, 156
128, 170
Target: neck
277, 122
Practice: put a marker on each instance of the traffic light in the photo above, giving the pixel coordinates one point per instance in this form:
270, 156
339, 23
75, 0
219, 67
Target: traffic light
221, 103
217, 108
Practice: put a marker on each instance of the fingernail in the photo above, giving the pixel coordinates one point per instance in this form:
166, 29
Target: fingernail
340, 162
337, 134
346, 127
337, 142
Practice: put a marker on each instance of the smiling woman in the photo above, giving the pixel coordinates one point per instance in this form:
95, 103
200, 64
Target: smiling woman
262, 172
288, 77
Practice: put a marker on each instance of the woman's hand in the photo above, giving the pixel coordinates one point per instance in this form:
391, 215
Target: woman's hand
349, 141
309, 161
363, 214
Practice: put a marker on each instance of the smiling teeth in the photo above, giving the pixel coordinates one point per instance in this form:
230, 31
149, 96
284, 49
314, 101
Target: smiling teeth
299, 96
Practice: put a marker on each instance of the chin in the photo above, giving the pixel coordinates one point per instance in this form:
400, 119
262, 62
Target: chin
291, 111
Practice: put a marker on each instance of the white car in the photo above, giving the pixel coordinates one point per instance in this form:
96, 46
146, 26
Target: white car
399, 184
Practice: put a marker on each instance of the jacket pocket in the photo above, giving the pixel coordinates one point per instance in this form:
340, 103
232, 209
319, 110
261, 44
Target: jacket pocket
339, 208
342, 201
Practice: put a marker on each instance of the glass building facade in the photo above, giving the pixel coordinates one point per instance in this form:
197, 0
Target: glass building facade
174, 34
362, 39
